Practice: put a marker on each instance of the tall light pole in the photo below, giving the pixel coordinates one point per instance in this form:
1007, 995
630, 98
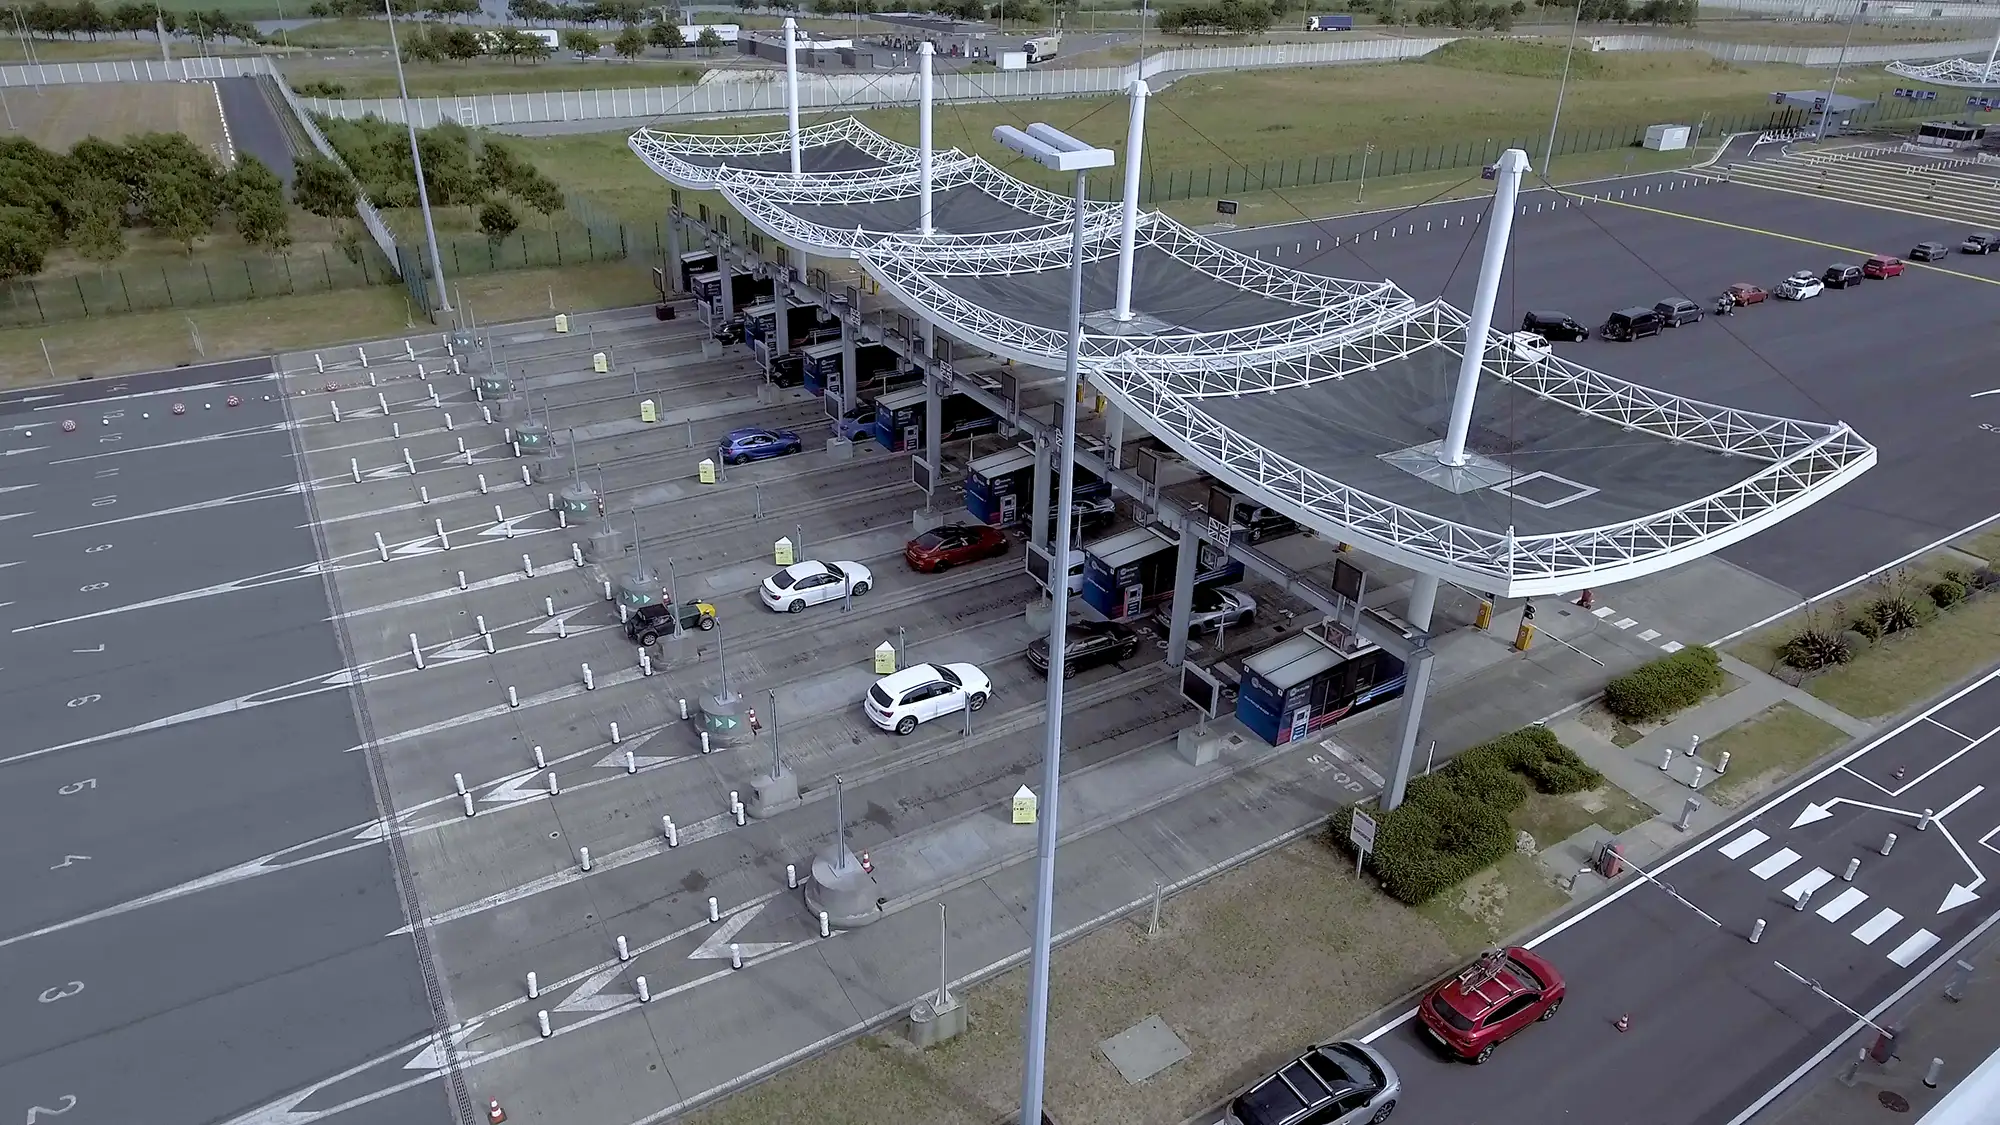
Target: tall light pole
1059, 152
417, 161
1562, 88
1838, 62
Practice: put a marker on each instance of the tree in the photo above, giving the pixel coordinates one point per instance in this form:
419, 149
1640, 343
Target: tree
582, 42
322, 187
538, 49
708, 41
497, 220
459, 43
631, 43
542, 194
498, 166
181, 207
666, 36
25, 238
251, 182
264, 223
97, 229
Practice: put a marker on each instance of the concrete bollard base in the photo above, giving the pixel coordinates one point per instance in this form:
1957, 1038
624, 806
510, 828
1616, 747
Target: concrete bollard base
847, 897
770, 796
931, 1025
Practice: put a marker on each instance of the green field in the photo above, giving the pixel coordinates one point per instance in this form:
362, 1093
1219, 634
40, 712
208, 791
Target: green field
489, 76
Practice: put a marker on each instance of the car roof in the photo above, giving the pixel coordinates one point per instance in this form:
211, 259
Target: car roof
750, 431
1635, 310
808, 567
897, 682
1547, 314
1515, 976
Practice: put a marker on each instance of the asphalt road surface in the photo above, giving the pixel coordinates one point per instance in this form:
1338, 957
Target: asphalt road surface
254, 125
1715, 1023
199, 910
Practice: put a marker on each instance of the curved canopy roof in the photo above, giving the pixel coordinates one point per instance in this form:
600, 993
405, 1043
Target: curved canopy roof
1323, 398
1950, 72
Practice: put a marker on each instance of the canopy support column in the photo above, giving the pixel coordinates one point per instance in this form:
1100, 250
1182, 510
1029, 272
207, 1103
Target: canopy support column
1506, 189
1183, 604
924, 51
1038, 509
1416, 683
792, 88
1135, 138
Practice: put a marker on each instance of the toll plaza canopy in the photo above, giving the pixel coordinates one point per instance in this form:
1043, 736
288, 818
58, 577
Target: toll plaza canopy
1325, 399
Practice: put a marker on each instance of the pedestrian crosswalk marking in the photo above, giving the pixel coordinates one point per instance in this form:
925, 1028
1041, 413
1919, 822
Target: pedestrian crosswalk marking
1875, 927
1734, 849
1913, 947
1776, 862
1809, 882
1842, 903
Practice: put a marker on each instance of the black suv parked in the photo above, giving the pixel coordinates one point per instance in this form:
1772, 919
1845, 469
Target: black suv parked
1631, 324
1840, 275
1554, 326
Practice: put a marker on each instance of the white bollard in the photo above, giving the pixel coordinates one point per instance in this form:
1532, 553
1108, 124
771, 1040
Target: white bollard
735, 799
469, 809
424, 493
371, 378
527, 568
517, 454
614, 734
735, 956
666, 826
482, 484
555, 787
824, 929
583, 857
1667, 759
354, 466
489, 644
791, 876
704, 742
1799, 903
562, 629
416, 651
1722, 764
623, 612
1757, 932
542, 1022
461, 445
1853, 868
434, 398
589, 681
1696, 783
486, 415
1694, 745
382, 400
576, 553
684, 708
673, 836
447, 418
645, 663
525, 478
540, 764
1888, 842
631, 762
336, 412
319, 363
458, 782
409, 462
552, 501
410, 353
739, 814
534, 988
624, 954
645, 994
549, 607
498, 515
1924, 821
443, 539
461, 580
714, 912
395, 429
562, 520
479, 622
607, 589
513, 698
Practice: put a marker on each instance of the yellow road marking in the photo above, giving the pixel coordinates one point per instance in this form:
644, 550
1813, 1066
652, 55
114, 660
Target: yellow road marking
1802, 240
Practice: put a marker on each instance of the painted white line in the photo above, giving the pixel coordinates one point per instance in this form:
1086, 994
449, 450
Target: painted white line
1942, 727
1913, 947
1601, 612
1883, 921
254, 431
279, 492
1650, 635
1672, 646
1809, 882
1913, 782
1736, 848
1843, 904
1778, 861
1623, 623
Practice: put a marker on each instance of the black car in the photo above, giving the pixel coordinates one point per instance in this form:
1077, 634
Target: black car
788, 370
1631, 324
1676, 311
1840, 275
1554, 326
1979, 242
1089, 644
649, 623
1927, 252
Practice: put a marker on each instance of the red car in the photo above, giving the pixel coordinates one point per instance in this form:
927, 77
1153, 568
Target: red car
1882, 266
1498, 995
942, 548
1745, 293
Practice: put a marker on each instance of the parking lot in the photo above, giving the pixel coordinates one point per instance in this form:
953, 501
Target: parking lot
1902, 359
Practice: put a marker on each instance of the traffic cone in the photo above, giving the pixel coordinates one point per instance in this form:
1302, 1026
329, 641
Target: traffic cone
1624, 1023
494, 1113
1898, 772
866, 864
1585, 601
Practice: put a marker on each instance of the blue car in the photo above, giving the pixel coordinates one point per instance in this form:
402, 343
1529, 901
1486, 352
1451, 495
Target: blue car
754, 443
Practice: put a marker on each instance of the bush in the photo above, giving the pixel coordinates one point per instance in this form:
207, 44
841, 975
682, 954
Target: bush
1867, 626
1947, 593
1453, 821
1985, 578
1664, 686
1814, 648
1893, 612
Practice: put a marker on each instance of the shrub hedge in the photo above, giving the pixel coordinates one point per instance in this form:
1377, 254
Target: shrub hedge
1661, 687
1453, 821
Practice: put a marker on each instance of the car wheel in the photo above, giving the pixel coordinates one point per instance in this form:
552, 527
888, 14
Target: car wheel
1068, 670
797, 606
976, 700
1382, 1114
1550, 1011
646, 639
860, 588
707, 623
1130, 652
906, 724
942, 566
1485, 1053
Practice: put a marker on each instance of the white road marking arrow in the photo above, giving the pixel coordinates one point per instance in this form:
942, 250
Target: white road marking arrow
27, 449
419, 547
548, 628
432, 1056
462, 649
14, 516
385, 473
717, 945
24, 399
505, 528
14, 487
586, 998
1959, 895
1811, 814
510, 791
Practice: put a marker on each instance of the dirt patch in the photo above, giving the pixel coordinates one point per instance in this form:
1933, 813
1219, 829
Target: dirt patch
57, 117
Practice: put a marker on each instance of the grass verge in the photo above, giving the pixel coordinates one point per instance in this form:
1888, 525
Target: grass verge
1767, 748
491, 76
57, 117
1897, 672
145, 341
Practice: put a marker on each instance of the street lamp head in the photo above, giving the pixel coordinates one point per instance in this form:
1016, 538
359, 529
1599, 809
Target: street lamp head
1054, 149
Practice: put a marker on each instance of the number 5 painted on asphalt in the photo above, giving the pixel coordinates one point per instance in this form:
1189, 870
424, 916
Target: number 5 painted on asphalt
75, 787
68, 1103
60, 992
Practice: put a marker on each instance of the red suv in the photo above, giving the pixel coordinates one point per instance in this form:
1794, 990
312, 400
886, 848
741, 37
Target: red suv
942, 548
1498, 995
1882, 266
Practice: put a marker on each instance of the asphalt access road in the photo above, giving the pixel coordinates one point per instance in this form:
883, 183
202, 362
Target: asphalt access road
1900, 359
1714, 1023
50, 400
254, 126
199, 911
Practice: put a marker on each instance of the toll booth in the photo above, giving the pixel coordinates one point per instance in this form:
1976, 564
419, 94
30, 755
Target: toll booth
822, 367
899, 419
1243, 520
999, 487
1308, 682
746, 288
693, 263
1130, 572
880, 371
760, 320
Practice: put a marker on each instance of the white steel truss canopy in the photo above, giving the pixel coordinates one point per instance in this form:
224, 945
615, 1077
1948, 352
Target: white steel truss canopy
1313, 395
1950, 72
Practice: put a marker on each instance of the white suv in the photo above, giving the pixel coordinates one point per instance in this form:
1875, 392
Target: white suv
901, 700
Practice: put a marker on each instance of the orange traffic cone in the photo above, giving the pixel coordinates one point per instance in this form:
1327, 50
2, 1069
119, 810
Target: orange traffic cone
1624, 1023
494, 1113
867, 865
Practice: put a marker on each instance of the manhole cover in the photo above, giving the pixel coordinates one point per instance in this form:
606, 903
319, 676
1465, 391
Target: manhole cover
1893, 1101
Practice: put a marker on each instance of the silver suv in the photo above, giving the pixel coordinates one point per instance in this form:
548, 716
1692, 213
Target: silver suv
1339, 1083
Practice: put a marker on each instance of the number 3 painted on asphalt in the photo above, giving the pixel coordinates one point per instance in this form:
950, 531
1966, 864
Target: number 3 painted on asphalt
68, 1103
83, 700
60, 992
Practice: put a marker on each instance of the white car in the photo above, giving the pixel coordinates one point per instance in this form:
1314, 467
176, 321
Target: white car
901, 700
1214, 608
811, 583
1801, 286
1529, 347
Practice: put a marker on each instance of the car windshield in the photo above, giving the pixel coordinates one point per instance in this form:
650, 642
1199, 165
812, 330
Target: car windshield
1277, 1099
783, 580
1526, 975
948, 676
1358, 1068
1207, 600
928, 541
1450, 1014
880, 697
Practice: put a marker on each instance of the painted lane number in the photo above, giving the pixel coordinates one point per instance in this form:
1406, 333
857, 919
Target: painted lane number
84, 700
37, 1112
60, 992
96, 549
75, 787
67, 860
104, 501
93, 587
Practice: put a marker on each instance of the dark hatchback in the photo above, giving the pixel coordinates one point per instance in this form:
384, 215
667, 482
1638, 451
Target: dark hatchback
1089, 644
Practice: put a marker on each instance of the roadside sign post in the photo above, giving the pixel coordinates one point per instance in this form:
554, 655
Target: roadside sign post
1361, 833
